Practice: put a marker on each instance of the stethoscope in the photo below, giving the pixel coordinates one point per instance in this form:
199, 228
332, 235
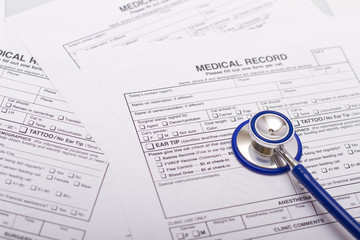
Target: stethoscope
268, 144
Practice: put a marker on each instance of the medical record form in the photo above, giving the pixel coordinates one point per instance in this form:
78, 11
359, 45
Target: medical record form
177, 105
54, 182
121, 24
183, 113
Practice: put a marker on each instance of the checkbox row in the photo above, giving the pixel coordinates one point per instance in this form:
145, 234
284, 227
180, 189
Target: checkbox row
314, 111
31, 122
50, 177
160, 136
164, 123
215, 115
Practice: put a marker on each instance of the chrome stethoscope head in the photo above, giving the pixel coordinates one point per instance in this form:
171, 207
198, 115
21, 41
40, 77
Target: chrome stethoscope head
261, 142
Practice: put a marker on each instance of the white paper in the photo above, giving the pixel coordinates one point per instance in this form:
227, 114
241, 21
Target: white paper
119, 23
154, 216
67, 39
55, 182
344, 8
183, 116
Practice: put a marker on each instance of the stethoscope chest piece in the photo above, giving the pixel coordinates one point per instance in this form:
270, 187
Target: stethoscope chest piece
254, 142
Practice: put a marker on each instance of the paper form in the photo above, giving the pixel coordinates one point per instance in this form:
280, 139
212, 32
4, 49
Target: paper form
183, 108
55, 182
124, 23
156, 216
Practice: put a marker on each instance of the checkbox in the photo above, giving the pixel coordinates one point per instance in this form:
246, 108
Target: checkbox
33, 188
61, 117
49, 177
163, 175
23, 129
296, 123
346, 166
76, 183
88, 136
146, 138
159, 164
347, 106
347, 146
150, 146
31, 122
175, 133
215, 115
58, 194
324, 170
296, 114
165, 123
238, 111
52, 128
142, 126
71, 175
54, 207
350, 152
4, 110
52, 170
313, 100
73, 212
195, 233
233, 119
157, 158
180, 236
8, 105
161, 170
248, 116
316, 111
8, 181
160, 136
265, 107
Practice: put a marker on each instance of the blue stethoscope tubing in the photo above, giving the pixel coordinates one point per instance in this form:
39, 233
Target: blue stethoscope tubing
305, 178
328, 202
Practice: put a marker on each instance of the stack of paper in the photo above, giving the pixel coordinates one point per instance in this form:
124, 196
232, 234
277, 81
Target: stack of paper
161, 86
55, 179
